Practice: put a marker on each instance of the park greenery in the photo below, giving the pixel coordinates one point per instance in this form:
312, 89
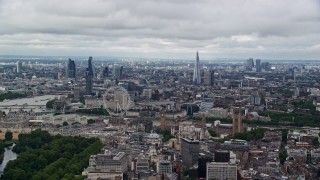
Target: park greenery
256, 134
93, 111
8, 136
65, 123
283, 156
295, 118
49, 104
11, 95
91, 121
300, 104
42, 156
315, 142
212, 133
166, 135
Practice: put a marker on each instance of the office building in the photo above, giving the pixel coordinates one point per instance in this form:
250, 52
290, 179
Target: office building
107, 166
91, 67
218, 170
88, 82
250, 64
147, 93
19, 66
209, 78
71, 70
294, 73
106, 72
236, 120
206, 105
196, 72
142, 165
118, 72
258, 65
189, 152
202, 164
255, 99
221, 156
164, 167
266, 66
235, 145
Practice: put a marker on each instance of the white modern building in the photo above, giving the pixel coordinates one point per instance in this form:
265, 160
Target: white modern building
218, 170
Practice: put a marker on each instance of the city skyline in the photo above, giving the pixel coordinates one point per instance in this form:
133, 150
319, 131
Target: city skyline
168, 29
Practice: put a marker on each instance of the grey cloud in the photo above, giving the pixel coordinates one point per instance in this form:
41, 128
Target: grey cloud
218, 28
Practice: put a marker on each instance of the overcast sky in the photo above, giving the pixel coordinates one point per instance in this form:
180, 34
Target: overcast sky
266, 29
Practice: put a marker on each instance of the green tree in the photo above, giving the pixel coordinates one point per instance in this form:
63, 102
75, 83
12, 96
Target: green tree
65, 123
283, 156
212, 133
42, 156
8, 136
11, 95
49, 104
82, 100
91, 121
315, 141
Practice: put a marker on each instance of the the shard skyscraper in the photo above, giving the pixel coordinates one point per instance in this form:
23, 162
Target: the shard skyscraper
196, 72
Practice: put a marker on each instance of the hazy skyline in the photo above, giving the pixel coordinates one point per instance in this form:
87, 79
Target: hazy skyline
265, 29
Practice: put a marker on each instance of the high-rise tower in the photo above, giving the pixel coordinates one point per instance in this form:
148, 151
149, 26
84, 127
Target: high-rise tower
258, 65
19, 65
71, 71
89, 76
118, 72
208, 78
196, 72
90, 67
88, 82
106, 72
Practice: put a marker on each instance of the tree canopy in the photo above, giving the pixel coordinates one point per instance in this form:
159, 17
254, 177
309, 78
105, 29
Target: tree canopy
8, 136
11, 95
49, 104
42, 156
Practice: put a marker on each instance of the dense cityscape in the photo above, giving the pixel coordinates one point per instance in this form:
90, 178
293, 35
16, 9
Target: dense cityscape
160, 90
167, 119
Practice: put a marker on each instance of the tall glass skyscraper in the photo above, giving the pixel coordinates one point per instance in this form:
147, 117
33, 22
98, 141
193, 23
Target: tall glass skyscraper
89, 76
90, 67
196, 72
71, 71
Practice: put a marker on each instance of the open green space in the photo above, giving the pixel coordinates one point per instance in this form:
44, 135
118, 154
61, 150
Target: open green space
42, 156
295, 118
11, 95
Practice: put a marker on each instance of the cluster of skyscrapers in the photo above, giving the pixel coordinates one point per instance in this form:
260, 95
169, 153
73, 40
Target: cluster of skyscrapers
90, 73
250, 65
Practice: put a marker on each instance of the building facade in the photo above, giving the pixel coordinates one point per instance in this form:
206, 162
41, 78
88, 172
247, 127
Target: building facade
71, 70
219, 171
189, 152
